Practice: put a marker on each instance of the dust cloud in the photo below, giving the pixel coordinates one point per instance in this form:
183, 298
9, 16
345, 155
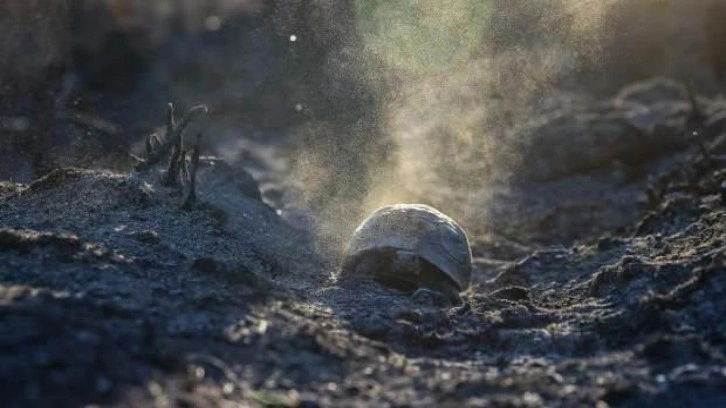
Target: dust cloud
460, 87
459, 80
378, 101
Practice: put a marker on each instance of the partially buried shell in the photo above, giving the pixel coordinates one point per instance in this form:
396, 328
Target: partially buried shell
410, 246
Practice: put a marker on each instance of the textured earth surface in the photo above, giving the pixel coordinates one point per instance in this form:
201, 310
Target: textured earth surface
111, 293
597, 218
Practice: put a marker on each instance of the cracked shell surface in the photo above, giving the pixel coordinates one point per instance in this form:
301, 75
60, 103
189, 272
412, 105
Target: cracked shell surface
419, 228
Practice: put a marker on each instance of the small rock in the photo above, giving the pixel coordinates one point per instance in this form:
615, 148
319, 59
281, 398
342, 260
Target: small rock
412, 316
147, 237
514, 293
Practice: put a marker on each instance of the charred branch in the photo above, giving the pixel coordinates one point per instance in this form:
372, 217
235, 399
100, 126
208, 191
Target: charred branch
190, 175
173, 142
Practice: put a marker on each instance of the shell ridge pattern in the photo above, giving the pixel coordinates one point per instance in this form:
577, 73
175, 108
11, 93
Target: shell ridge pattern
430, 234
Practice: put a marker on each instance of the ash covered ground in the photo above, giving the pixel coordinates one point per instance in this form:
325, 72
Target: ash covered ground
599, 275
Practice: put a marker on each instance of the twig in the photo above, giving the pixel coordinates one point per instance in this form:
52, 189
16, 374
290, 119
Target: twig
174, 139
190, 175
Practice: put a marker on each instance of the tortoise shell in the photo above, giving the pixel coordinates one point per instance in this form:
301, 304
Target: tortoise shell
415, 229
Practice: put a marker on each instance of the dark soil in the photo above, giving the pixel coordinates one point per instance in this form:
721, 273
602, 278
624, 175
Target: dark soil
598, 226
110, 293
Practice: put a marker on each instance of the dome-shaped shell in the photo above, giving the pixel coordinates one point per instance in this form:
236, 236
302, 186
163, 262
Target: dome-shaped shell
418, 228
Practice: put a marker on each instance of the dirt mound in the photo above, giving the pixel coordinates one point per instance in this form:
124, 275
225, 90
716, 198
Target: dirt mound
143, 221
584, 171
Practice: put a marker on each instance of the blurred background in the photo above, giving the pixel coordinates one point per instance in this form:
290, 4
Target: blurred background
529, 121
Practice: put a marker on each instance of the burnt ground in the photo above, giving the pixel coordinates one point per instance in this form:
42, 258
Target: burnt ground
110, 293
